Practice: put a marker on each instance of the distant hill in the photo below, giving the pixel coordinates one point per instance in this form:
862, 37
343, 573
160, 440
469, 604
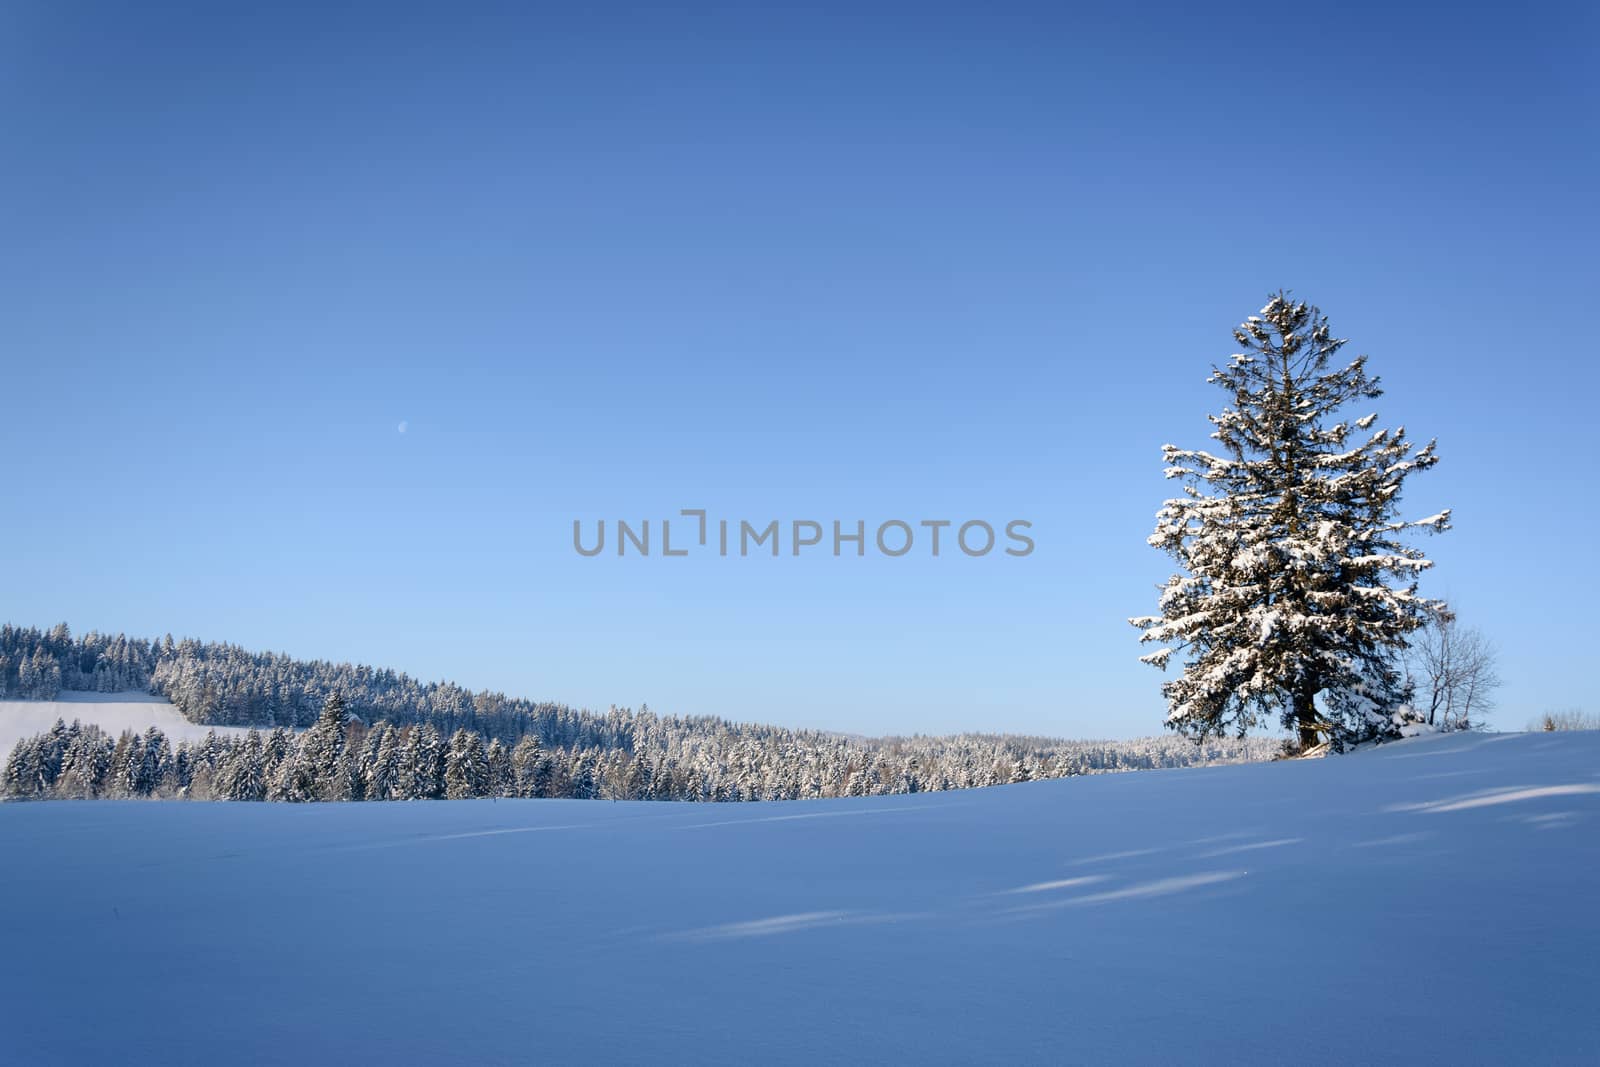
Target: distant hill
627, 753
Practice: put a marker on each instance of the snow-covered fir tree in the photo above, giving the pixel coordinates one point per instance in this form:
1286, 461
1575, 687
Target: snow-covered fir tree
316, 768
502, 782
466, 772
1297, 592
243, 777
381, 765
525, 767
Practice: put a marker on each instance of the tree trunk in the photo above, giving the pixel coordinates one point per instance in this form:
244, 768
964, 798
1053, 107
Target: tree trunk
1305, 714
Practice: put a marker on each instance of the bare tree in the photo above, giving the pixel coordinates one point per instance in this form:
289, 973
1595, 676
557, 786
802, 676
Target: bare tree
1570, 719
1454, 670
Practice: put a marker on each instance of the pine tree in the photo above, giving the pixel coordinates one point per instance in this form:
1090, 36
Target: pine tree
292, 780
85, 763
382, 771
315, 768
1297, 592
157, 761
242, 775
582, 776
430, 750
502, 779
466, 772
321, 753
182, 767
127, 766
525, 766
420, 767
22, 777
25, 679
46, 674
278, 744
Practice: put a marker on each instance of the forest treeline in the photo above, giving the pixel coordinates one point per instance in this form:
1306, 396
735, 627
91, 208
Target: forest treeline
396, 738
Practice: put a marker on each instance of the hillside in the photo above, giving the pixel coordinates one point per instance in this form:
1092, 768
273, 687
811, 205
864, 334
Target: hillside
1428, 901
112, 712
618, 754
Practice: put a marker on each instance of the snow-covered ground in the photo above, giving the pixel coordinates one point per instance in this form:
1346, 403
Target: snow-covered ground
112, 712
1430, 901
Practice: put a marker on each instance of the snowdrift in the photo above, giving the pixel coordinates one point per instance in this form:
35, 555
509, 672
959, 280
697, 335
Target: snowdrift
1431, 901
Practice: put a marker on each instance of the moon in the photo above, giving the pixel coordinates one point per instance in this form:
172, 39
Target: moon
403, 426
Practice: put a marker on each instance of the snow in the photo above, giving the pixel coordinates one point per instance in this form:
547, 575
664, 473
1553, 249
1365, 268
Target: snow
112, 712
1429, 900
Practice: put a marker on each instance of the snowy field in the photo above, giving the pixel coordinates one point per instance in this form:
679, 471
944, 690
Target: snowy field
112, 712
1430, 901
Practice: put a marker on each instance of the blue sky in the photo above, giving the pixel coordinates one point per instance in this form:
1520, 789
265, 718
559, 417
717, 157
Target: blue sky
848, 262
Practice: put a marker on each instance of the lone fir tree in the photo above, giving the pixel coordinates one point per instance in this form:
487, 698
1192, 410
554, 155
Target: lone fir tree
1297, 593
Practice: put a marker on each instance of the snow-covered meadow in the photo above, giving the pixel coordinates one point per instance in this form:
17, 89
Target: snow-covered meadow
1428, 901
112, 712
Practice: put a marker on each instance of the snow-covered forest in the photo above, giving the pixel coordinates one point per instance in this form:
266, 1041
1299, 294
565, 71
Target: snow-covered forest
327, 731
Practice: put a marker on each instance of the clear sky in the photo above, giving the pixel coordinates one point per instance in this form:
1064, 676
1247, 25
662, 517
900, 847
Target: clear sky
836, 262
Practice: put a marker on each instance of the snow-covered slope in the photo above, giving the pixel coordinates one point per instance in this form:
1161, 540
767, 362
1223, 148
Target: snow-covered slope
112, 712
1430, 901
